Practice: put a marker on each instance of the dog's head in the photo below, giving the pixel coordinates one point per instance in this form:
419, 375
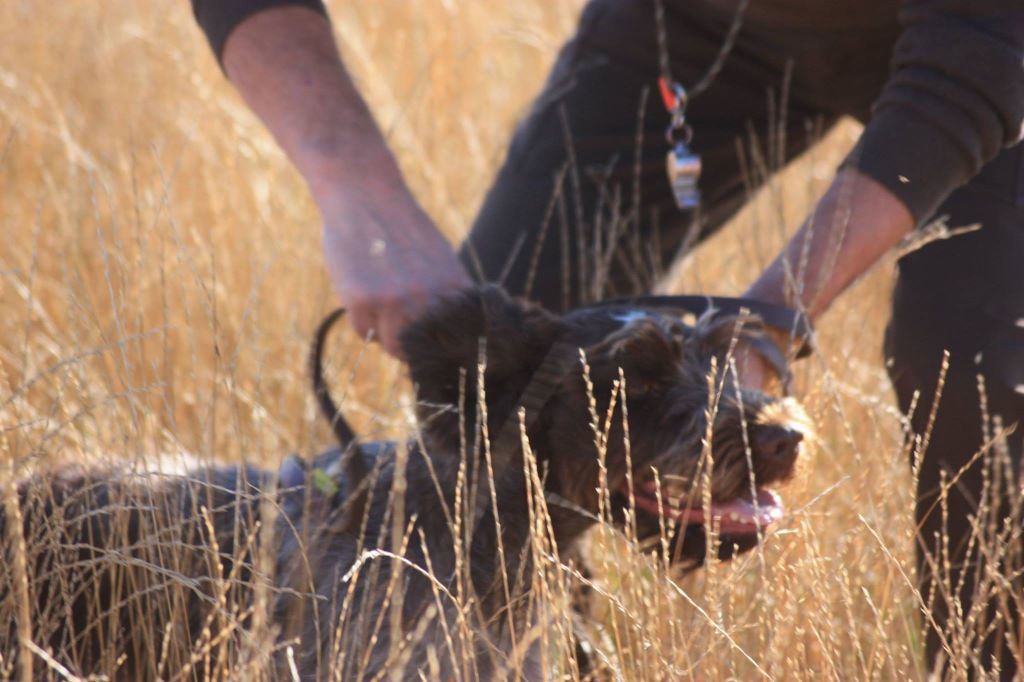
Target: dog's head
699, 449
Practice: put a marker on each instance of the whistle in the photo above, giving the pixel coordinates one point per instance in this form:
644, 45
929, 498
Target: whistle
683, 172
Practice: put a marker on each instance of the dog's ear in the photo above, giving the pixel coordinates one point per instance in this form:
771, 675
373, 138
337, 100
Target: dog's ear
443, 346
647, 348
716, 333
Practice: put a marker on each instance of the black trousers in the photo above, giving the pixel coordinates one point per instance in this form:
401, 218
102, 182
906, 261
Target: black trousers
581, 209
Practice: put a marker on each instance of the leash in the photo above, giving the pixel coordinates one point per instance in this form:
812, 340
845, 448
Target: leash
681, 164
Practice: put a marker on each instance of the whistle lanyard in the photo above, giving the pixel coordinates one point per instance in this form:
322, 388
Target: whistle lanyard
681, 164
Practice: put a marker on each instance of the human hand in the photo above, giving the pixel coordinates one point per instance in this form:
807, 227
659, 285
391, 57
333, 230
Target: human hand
762, 361
752, 370
387, 262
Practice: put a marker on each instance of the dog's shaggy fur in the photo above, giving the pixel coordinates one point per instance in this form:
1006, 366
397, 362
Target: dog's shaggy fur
422, 559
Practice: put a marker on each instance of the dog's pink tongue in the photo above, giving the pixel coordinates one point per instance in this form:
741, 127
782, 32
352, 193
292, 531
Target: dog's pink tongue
743, 516
737, 517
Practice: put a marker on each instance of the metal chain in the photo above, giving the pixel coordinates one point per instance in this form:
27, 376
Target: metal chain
723, 52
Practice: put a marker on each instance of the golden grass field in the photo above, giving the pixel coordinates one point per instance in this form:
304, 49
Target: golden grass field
160, 277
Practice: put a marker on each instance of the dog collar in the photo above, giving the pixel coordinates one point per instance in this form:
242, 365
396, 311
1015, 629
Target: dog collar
791, 323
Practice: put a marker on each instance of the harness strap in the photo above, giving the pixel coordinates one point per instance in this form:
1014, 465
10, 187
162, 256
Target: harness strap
556, 366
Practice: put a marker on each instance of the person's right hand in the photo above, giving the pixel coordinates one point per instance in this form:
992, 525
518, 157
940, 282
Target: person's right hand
387, 262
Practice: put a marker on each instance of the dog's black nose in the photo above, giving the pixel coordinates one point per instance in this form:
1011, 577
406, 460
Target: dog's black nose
777, 442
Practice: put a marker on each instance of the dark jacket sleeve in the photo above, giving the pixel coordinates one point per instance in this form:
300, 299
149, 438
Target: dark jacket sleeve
955, 97
218, 18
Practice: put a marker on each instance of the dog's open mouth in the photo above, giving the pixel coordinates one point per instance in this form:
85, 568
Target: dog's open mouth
743, 515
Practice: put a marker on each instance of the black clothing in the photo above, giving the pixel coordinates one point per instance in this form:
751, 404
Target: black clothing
218, 18
946, 76
964, 295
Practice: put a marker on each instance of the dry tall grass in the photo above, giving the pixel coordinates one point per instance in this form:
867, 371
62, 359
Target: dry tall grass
160, 276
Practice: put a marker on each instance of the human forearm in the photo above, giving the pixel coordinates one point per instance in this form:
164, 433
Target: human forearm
856, 222
286, 66
386, 258
954, 98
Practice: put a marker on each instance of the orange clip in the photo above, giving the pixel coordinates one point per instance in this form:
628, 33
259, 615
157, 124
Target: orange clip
667, 96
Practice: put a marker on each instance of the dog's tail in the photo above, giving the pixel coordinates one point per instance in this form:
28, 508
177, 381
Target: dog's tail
328, 408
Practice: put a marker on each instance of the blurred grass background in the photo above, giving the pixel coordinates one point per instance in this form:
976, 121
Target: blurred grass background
160, 277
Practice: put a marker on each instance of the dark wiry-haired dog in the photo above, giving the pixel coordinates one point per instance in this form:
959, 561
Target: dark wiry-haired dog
377, 550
